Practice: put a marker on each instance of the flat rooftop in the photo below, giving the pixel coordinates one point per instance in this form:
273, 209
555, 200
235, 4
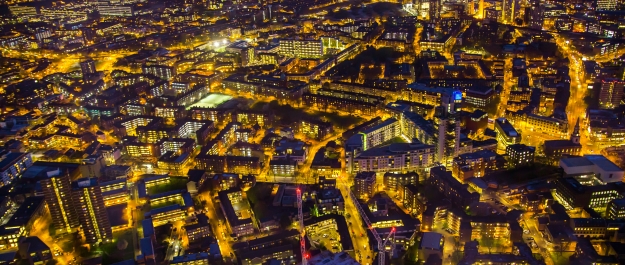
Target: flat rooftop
431, 240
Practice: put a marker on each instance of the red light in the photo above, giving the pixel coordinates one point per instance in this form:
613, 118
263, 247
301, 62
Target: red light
393, 229
306, 256
298, 190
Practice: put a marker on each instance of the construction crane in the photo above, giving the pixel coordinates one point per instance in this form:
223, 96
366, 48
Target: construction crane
302, 229
381, 243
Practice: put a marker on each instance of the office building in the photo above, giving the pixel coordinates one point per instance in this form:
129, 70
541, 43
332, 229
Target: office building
364, 185
506, 134
57, 190
89, 204
573, 194
520, 154
592, 166
312, 49
616, 209
610, 93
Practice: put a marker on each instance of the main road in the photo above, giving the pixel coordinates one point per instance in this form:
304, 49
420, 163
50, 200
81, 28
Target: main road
576, 107
218, 225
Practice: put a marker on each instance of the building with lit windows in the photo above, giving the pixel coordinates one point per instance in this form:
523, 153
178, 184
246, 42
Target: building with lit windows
375, 99
194, 129
616, 209
610, 93
364, 184
129, 126
166, 214
314, 129
453, 189
89, 204
573, 194
312, 49
541, 124
396, 181
21, 223
372, 88
237, 224
135, 149
266, 86
606, 4
411, 199
325, 102
421, 93
23, 11
477, 164
556, 149
57, 191
170, 112
478, 227
250, 117
283, 167
592, 166
12, 165
115, 191
506, 133
604, 126
56, 140
176, 145
378, 134
520, 154
594, 228
217, 115
260, 256
160, 71
116, 10
231, 164
479, 97
535, 14
396, 157
153, 134
174, 162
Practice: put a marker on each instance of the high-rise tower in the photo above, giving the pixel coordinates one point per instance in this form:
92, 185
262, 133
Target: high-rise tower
57, 193
88, 201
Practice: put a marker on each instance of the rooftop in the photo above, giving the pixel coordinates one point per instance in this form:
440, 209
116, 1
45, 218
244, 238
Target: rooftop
431, 240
